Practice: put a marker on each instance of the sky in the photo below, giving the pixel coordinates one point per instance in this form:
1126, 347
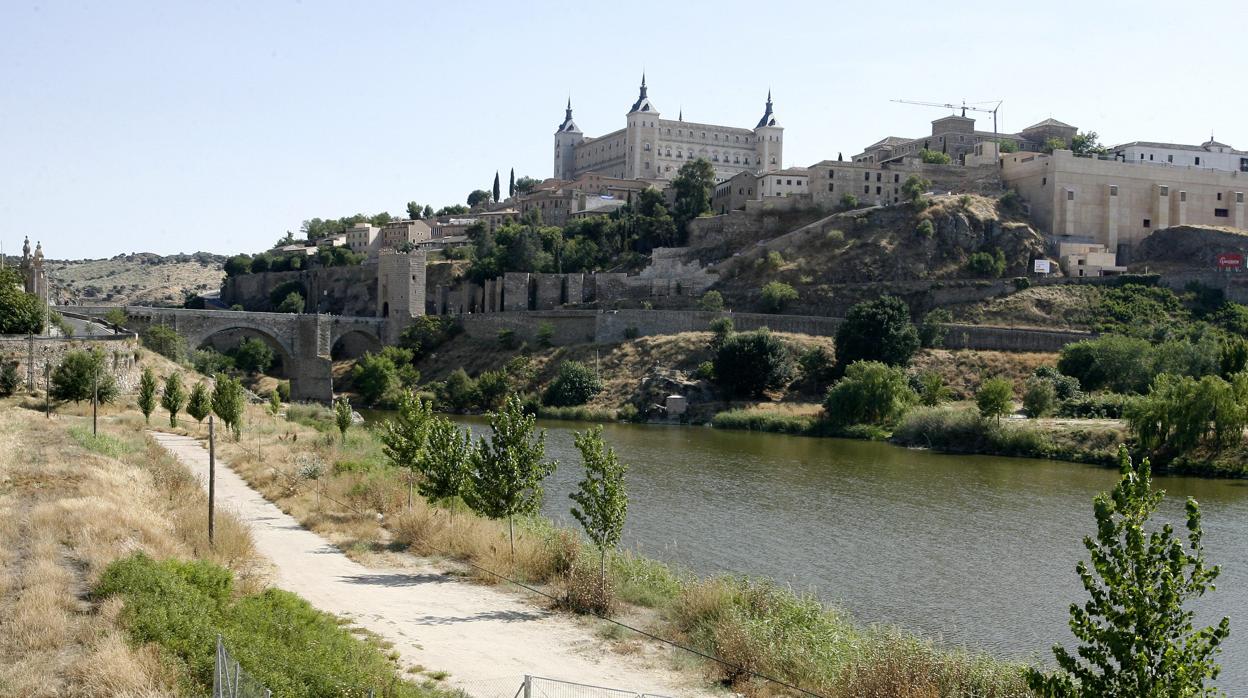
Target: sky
179, 126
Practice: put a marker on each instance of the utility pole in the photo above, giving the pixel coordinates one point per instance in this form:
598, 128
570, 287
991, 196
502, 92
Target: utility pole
47, 386
95, 399
212, 476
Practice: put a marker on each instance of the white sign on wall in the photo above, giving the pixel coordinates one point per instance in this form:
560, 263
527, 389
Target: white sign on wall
1041, 266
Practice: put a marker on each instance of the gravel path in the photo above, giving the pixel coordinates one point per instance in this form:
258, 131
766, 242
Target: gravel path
485, 637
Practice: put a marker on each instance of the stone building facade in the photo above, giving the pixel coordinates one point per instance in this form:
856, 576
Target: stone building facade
956, 136
652, 148
1210, 155
1118, 203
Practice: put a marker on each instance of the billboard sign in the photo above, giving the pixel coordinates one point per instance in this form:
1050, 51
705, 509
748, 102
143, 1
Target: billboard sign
1230, 261
1042, 266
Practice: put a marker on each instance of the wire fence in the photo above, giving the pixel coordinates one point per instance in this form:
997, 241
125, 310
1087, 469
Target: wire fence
229, 680
543, 687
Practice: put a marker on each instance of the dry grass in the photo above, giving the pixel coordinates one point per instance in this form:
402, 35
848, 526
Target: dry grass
66, 512
964, 370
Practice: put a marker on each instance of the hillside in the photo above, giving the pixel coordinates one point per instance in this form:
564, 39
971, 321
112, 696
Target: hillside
136, 279
888, 245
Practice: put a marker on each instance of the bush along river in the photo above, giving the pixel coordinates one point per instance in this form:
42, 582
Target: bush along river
976, 551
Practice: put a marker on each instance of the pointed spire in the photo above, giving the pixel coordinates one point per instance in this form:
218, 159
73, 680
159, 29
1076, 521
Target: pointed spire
768, 118
567, 115
643, 86
681, 115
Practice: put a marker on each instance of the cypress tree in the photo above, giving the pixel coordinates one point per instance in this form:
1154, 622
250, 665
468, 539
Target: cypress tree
511, 187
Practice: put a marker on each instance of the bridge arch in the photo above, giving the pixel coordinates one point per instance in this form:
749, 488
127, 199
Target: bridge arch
229, 335
354, 343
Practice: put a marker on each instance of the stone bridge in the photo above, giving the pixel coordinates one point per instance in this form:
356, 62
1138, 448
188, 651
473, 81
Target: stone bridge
306, 344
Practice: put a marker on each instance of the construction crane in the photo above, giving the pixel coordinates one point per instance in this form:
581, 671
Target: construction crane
963, 107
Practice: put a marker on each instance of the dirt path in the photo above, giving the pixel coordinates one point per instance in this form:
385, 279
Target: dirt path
486, 638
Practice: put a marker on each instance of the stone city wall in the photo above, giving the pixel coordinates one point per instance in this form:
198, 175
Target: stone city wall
119, 352
350, 290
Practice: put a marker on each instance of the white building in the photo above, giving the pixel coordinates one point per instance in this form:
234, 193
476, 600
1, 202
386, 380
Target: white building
1210, 155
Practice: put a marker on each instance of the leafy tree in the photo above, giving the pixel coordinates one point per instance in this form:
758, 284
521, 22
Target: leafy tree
870, 393
987, 264
452, 210
1181, 414
1039, 397
1054, 143
693, 185
1087, 143
428, 212
777, 295
211, 362
601, 499
506, 472
293, 303
458, 391
1064, 387
275, 403
1232, 356
79, 375
343, 416
496, 191
932, 157
116, 317
492, 388
849, 202
818, 367
721, 329
1135, 637
9, 380
995, 398
511, 184
478, 197
913, 189
878, 330
575, 384
261, 263
228, 399
1004, 146
20, 312
164, 340
932, 389
925, 229
376, 377
414, 211
147, 394
749, 363
711, 300
404, 436
1113, 362
253, 355
445, 461
524, 185
427, 333
173, 398
932, 330
238, 265
200, 403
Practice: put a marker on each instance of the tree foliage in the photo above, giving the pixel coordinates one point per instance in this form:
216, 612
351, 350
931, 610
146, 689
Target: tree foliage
749, 363
506, 472
343, 416
870, 393
164, 340
878, 330
405, 435
20, 312
913, 189
777, 295
199, 405
987, 264
1181, 414
147, 394
601, 499
173, 397
253, 355
575, 384
995, 398
75, 378
228, 399
445, 462
693, 185
935, 157
1039, 397
9, 379
478, 197
293, 303
1135, 636
1087, 143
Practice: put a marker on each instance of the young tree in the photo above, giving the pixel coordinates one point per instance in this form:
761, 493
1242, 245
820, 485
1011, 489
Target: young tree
496, 191
80, 376
227, 403
506, 472
9, 379
404, 436
995, 398
343, 415
1135, 637
870, 393
173, 398
601, 499
115, 317
147, 394
444, 464
878, 330
200, 402
164, 340
275, 403
932, 389
1039, 397
777, 295
428, 212
711, 300
253, 355
913, 189
511, 185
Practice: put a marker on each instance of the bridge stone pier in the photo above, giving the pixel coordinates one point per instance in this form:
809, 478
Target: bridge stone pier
304, 342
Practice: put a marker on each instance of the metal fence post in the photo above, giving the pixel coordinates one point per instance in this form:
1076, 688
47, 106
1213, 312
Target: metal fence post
528, 686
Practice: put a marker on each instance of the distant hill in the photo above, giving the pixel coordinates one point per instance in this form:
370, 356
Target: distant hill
142, 278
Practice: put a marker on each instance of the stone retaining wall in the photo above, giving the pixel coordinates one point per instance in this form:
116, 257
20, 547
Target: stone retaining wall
119, 352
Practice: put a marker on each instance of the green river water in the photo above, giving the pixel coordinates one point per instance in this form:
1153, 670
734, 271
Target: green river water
976, 551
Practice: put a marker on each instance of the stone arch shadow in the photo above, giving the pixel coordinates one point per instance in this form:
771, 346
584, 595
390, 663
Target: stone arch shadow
230, 335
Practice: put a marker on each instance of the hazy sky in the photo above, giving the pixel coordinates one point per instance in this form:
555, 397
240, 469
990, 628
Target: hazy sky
180, 126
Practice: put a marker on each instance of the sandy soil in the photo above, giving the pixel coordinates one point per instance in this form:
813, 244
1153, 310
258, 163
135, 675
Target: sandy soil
485, 637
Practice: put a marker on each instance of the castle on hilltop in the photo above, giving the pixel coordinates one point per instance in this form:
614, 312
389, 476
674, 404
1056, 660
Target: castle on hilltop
653, 148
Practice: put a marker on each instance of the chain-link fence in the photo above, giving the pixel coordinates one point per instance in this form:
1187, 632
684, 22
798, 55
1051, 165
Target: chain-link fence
230, 681
542, 687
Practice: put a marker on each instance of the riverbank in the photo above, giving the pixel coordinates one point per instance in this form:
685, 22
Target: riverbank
756, 625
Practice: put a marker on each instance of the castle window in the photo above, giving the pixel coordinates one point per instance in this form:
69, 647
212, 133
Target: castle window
831, 186
1239, 197
1220, 213
773, 159
866, 189
647, 146
877, 191
1148, 223
1219, 196
896, 178
1198, 160
1169, 158
866, 176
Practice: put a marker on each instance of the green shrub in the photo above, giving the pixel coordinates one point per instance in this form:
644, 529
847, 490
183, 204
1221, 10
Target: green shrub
758, 420
492, 387
722, 328
1010, 202
1064, 387
987, 264
925, 229
458, 391
253, 355
9, 379
705, 371
995, 398
210, 362
1114, 362
293, 303
631, 332
545, 335
1181, 414
163, 340
429, 332
575, 384
931, 389
749, 363
711, 300
878, 330
775, 260
933, 157
913, 189
1094, 406
1021, 283
280, 639
282, 291
1039, 397
870, 393
80, 375
508, 340
963, 430
818, 367
848, 202
932, 330
777, 295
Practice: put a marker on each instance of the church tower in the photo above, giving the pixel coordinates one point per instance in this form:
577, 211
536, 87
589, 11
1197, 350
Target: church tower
768, 141
642, 137
567, 136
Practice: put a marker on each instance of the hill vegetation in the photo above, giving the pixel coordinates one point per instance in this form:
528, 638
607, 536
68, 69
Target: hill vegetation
136, 279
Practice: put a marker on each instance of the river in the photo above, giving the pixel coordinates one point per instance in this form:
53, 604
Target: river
974, 551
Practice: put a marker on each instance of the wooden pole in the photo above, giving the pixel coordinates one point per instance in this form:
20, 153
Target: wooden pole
95, 400
212, 476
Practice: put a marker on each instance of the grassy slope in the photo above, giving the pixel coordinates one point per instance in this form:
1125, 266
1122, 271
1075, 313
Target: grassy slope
136, 279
